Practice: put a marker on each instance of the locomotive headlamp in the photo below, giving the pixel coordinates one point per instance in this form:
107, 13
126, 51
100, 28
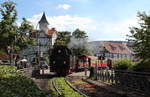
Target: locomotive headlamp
59, 51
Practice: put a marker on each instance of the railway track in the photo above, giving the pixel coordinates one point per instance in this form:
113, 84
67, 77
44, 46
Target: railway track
64, 89
56, 87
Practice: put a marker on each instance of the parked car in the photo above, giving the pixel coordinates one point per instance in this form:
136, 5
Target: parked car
43, 65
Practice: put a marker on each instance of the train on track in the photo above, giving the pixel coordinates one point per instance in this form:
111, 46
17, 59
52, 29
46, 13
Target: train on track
60, 60
63, 62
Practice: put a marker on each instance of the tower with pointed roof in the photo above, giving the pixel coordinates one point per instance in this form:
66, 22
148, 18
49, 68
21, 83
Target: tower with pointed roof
46, 36
45, 39
43, 23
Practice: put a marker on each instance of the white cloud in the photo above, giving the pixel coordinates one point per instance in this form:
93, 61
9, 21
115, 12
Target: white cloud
96, 30
64, 6
35, 19
18, 24
66, 22
115, 31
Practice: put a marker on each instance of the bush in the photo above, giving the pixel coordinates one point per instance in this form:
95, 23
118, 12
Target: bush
19, 86
142, 66
14, 84
7, 71
123, 64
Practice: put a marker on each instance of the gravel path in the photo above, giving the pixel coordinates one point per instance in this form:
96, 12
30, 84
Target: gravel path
90, 89
42, 83
99, 89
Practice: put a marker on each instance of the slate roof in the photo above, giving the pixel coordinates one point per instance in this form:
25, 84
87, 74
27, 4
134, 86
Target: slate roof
43, 19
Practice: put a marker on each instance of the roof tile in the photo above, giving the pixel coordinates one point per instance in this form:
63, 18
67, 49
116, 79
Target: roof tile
116, 48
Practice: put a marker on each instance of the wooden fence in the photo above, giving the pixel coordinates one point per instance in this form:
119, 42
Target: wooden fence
125, 80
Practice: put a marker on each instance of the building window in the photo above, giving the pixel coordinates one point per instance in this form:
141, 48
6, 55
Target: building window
107, 55
124, 56
111, 55
128, 56
120, 55
115, 55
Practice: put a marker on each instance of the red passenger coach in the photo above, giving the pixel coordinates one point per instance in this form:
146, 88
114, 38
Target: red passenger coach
81, 63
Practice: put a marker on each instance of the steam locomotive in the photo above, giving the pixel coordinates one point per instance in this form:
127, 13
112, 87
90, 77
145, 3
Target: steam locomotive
60, 60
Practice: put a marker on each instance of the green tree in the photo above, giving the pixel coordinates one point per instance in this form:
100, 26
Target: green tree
79, 34
8, 24
123, 64
140, 36
25, 27
63, 38
23, 38
10, 34
79, 43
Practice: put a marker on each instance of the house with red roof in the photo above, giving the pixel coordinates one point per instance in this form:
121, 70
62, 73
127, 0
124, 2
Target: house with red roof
44, 34
45, 37
112, 49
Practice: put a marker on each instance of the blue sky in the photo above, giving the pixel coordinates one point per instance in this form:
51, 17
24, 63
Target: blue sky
101, 19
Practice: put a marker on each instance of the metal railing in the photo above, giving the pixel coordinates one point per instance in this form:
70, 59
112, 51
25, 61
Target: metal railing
125, 79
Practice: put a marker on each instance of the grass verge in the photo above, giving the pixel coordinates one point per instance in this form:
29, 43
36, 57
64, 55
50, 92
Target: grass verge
64, 88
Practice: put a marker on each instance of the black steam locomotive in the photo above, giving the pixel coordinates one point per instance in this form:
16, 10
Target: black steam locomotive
60, 60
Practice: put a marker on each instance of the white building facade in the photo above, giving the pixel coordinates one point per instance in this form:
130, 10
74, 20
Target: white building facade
45, 39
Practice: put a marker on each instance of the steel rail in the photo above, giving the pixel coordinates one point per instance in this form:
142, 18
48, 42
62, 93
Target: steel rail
75, 89
69, 84
55, 87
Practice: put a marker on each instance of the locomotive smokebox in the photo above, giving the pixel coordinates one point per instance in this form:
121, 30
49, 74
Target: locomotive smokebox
60, 60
